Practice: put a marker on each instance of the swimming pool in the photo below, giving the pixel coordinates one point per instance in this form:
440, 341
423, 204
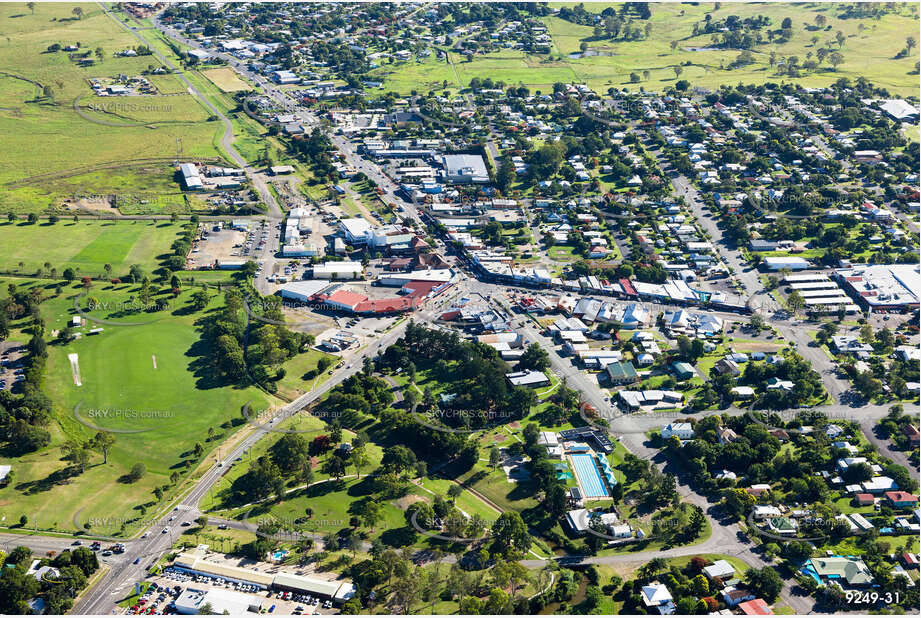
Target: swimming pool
589, 478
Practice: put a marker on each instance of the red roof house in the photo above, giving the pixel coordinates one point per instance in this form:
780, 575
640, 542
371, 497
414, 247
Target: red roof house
755, 607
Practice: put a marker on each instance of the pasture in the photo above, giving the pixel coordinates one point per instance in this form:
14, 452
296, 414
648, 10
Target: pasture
227, 79
50, 150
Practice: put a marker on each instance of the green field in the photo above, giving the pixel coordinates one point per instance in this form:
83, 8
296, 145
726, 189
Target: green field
85, 246
50, 151
870, 53
168, 409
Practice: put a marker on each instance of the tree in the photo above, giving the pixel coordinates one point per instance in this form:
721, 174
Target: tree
678, 71
31, 7
371, 512
511, 533
102, 442
335, 467
200, 300
78, 12
765, 582
137, 472
836, 59
535, 357
795, 301
910, 43
506, 175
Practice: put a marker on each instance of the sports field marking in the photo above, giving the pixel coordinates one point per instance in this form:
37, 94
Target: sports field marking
75, 369
154, 358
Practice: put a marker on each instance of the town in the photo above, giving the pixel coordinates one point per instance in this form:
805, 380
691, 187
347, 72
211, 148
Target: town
461, 308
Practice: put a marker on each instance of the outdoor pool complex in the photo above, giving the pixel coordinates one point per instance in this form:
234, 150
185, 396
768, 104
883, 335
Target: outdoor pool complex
588, 475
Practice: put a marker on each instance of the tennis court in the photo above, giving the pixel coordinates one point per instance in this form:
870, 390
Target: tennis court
588, 476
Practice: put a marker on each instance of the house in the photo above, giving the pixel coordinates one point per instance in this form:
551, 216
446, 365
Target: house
778, 384
764, 511
758, 489
684, 431
833, 431
720, 569
726, 366
656, 595
755, 607
726, 435
863, 499
782, 525
837, 568
5, 475
879, 484
683, 371
733, 596
622, 373
742, 392
913, 435
901, 499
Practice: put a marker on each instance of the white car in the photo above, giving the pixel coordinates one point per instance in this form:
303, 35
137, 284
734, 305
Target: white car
165, 530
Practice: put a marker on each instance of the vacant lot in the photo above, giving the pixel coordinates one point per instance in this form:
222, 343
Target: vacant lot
85, 246
226, 79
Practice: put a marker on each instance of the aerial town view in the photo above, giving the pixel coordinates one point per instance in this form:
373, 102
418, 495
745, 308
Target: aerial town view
471, 308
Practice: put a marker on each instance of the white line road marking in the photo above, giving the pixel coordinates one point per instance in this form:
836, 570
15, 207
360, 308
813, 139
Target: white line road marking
154, 360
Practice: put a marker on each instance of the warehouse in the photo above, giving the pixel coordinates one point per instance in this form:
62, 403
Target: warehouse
465, 169
190, 177
778, 263
338, 270
192, 600
883, 286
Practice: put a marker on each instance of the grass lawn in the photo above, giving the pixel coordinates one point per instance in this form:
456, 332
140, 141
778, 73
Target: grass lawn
86, 246
295, 383
171, 408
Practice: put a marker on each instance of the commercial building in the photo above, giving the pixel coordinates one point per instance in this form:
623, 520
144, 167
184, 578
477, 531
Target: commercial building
356, 231
193, 562
221, 601
883, 286
781, 262
527, 378
190, 177
338, 270
465, 169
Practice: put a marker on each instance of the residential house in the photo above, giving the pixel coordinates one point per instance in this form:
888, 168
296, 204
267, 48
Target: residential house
656, 596
901, 499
